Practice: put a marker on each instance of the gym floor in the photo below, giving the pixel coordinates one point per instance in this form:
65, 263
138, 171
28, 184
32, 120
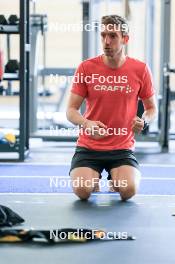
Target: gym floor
148, 216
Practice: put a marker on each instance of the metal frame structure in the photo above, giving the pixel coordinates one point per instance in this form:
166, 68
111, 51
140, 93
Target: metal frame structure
38, 24
21, 147
164, 83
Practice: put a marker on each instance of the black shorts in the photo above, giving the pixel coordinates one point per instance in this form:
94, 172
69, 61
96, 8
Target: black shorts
99, 160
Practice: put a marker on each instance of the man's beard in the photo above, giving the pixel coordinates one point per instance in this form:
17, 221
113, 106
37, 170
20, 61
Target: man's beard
109, 53
112, 53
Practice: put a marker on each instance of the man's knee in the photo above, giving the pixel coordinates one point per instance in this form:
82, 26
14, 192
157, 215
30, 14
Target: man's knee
83, 192
127, 192
84, 185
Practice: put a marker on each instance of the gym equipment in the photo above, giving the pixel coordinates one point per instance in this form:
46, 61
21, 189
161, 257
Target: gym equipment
12, 66
3, 20
10, 138
2, 140
2, 90
20, 149
64, 235
1, 66
39, 25
9, 217
1, 135
7, 138
13, 20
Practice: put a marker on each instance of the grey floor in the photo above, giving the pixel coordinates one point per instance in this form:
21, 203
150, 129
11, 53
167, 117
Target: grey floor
148, 218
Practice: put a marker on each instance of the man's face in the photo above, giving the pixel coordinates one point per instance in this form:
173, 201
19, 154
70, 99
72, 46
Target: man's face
112, 40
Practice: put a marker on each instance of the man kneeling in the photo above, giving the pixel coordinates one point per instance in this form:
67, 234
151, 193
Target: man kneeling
106, 138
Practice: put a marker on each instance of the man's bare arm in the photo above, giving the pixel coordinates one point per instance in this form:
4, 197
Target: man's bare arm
150, 111
150, 107
73, 115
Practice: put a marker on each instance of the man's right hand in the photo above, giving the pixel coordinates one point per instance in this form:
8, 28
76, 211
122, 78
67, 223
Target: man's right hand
95, 129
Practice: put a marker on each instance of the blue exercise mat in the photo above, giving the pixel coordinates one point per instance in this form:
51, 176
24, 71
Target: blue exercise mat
55, 179
63, 185
63, 170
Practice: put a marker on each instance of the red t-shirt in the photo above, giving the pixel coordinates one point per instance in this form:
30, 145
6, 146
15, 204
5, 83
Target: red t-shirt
112, 99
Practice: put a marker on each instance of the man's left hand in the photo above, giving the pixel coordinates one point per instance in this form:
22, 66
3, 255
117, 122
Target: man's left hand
137, 125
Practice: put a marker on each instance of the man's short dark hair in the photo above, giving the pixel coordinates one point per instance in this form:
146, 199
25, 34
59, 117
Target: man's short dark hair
116, 20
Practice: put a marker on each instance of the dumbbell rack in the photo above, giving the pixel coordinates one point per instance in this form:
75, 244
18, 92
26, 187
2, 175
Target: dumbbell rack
21, 147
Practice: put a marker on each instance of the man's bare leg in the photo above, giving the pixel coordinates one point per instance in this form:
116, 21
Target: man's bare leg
125, 180
84, 181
